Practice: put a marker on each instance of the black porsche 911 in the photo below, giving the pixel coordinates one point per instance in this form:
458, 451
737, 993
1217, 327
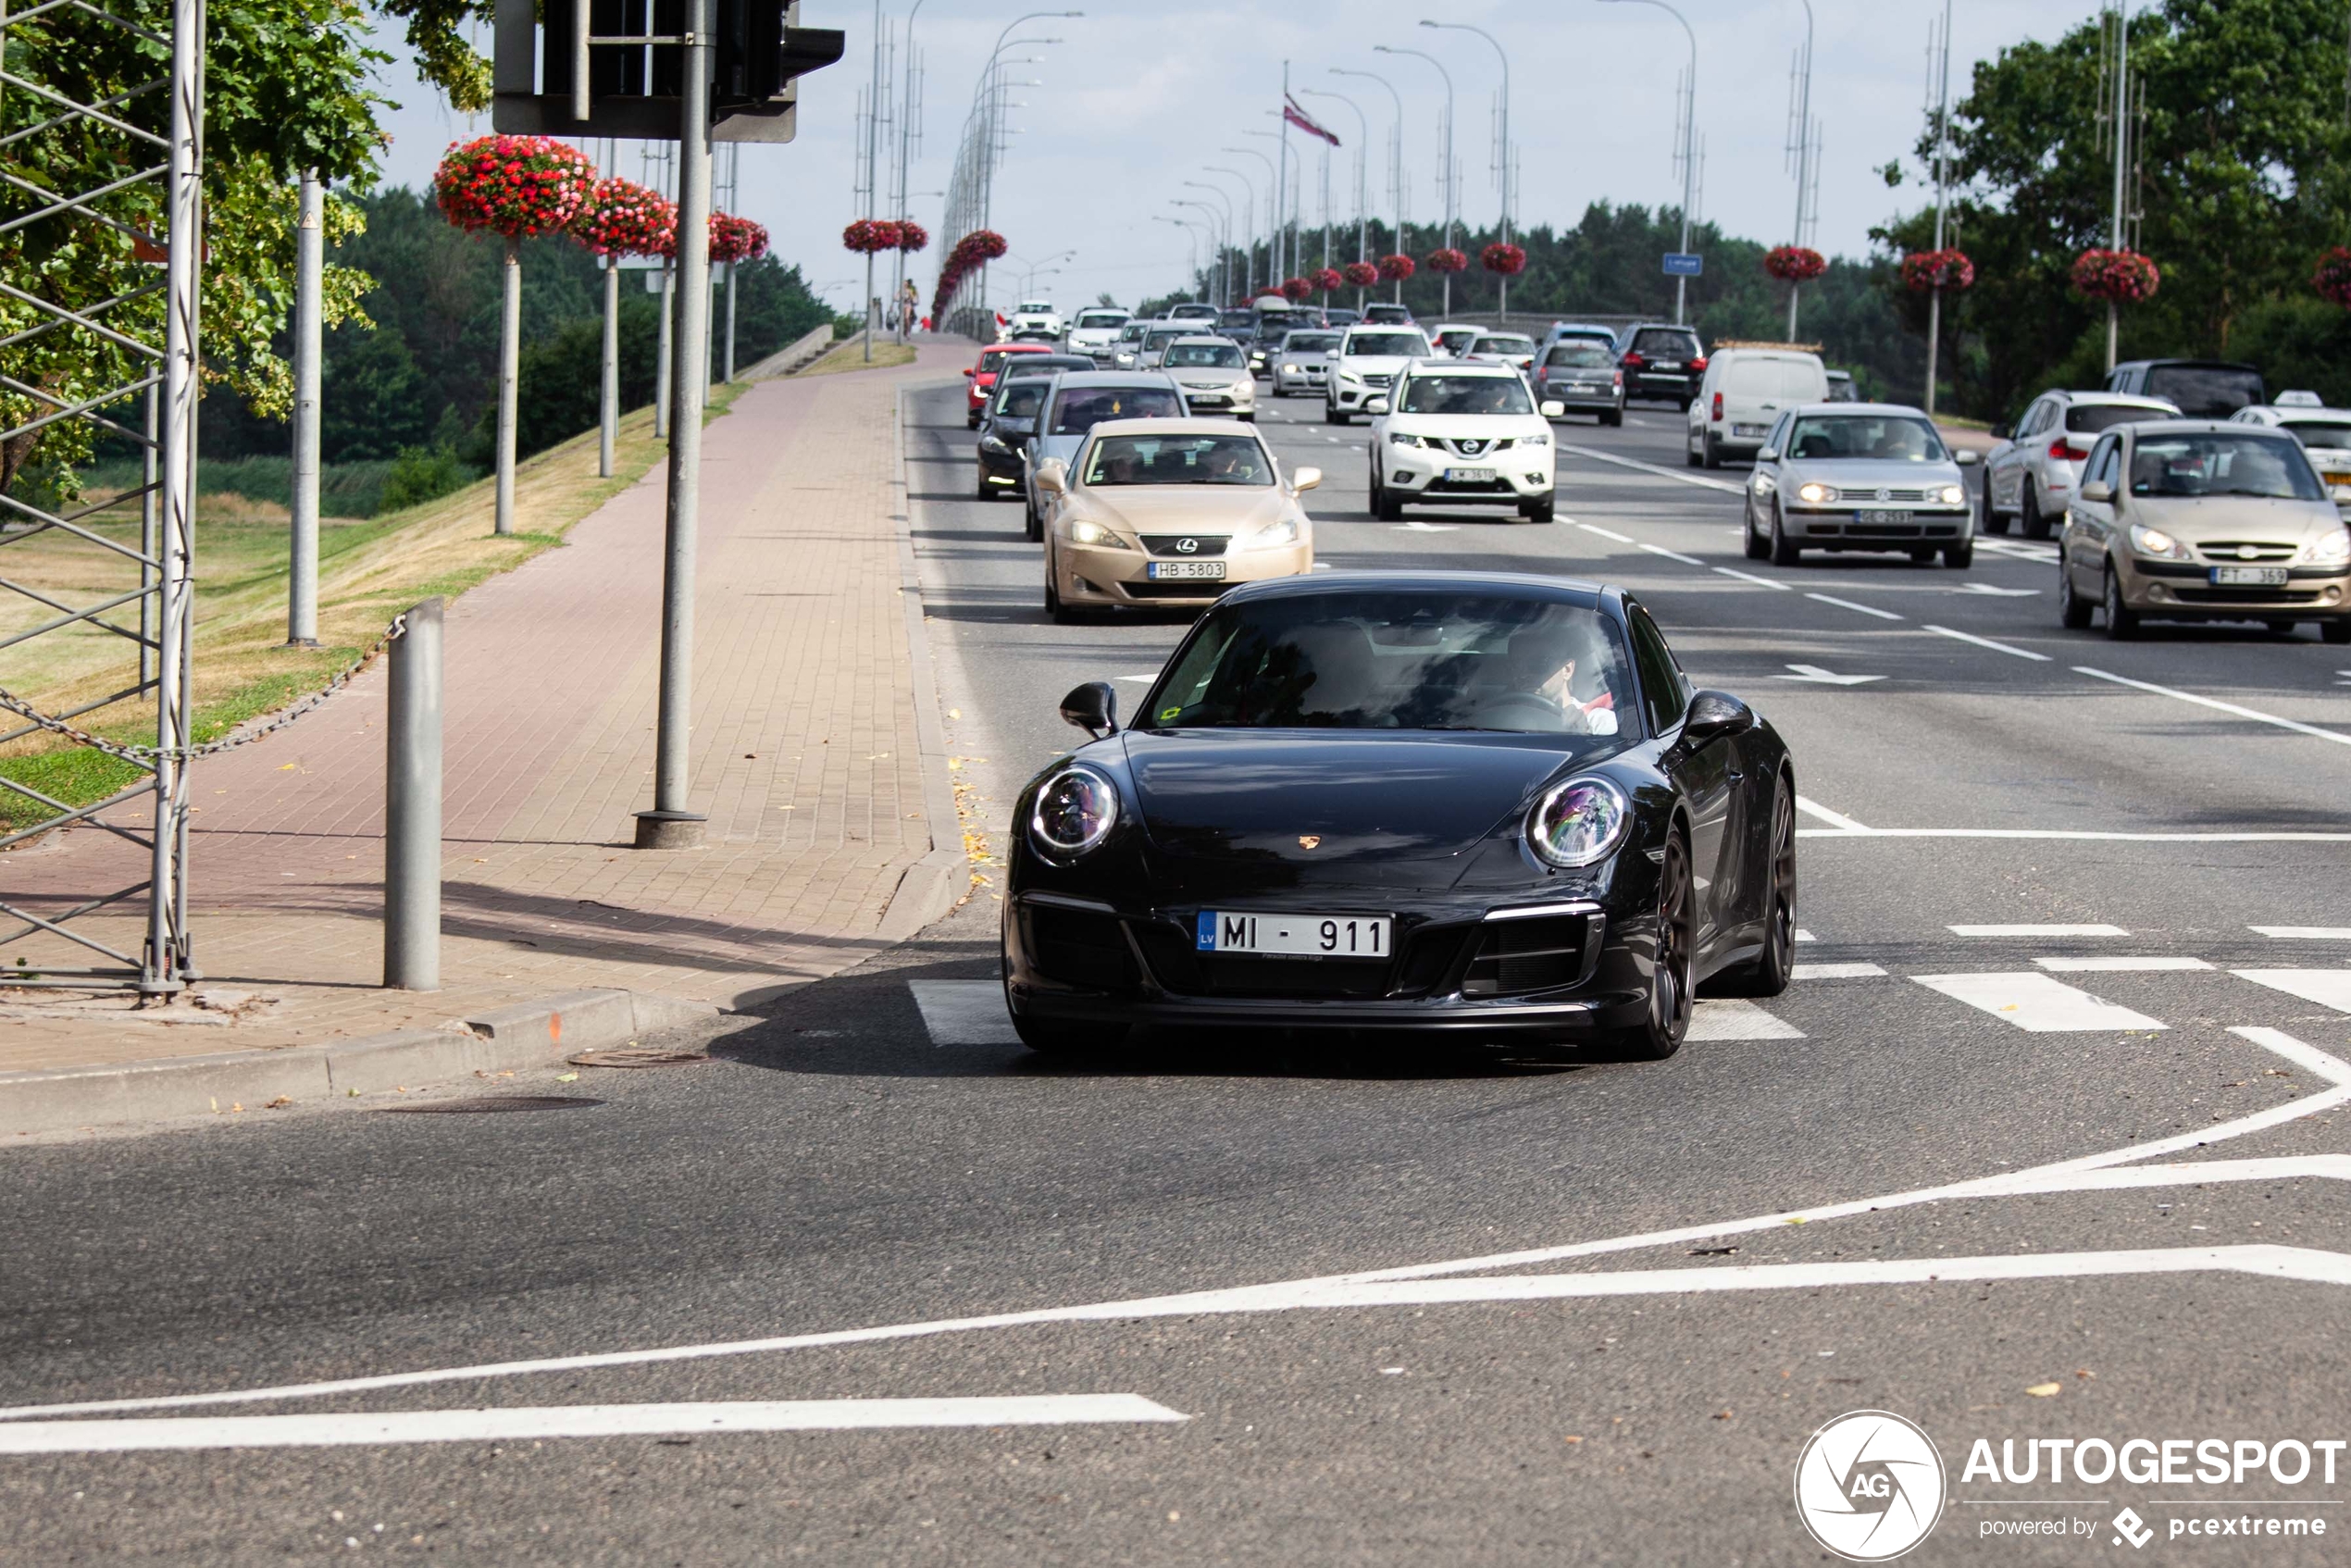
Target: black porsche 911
1427, 801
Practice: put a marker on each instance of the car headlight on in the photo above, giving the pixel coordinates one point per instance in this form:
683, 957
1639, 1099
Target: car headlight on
1085, 532
1281, 533
1578, 823
2329, 549
2155, 541
1074, 812
1291, 369
1952, 495
1399, 440
1815, 494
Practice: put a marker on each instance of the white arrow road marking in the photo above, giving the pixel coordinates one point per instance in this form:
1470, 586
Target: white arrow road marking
571, 1421
2328, 988
1820, 676
1991, 592
1733, 1018
2037, 1004
2041, 1178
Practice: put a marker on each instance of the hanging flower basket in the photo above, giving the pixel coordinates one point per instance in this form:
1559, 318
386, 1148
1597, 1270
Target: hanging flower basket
1950, 271
2333, 280
1296, 289
1507, 260
2122, 277
1445, 258
519, 186
1362, 274
736, 239
1795, 264
1396, 268
974, 249
623, 218
1327, 279
912, 236
870, 236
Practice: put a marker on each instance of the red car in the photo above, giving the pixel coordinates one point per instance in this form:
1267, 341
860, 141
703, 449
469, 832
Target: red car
982, 376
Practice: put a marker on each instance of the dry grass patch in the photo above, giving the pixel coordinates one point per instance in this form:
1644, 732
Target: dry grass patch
850, 356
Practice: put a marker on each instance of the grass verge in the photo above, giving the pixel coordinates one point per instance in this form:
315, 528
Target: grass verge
850, 356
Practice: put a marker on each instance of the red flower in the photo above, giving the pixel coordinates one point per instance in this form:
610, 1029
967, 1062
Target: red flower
736, 239
513, 185
1445, 258
2333, 280
1794, 263
1326, 279
1950, 269
1362, 274
912, 236
2124, 277
1295, 289
868, 236
1506, 259
1396, 268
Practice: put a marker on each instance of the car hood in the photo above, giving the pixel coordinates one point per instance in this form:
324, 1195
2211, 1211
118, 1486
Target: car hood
1854, 473
1377, 363
1184, 508
1208, 375
2194, 519
1381, 808
1467, 426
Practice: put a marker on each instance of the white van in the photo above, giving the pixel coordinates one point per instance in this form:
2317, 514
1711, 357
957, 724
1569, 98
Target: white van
1744, 390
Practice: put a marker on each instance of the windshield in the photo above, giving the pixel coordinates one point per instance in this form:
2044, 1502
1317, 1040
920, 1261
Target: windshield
1310, 342
1886, 438
2203, 391
1397, 345
1023, 398
1465, 394
1669, 344
2089, 419
1161, 338
1454, 338
1081, 409
2329, 434
1499, 342
1579, 355
1389, 313
1130, 460
1226, 356
992, 360
1100, 319
2222, 464
1400, 661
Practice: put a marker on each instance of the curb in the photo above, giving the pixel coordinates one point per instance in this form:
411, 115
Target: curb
527, 1034
932, 886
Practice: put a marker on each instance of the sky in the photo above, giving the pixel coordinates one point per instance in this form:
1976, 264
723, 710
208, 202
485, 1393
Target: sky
1131, 103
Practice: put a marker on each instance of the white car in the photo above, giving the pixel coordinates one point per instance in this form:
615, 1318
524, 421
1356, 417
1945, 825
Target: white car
2032, 472
1368, 361
1127, 349
1213, 373
1742, 397
1036, 316
2325, 435
1302, 365
1096, 329
1463, 434
1453, 338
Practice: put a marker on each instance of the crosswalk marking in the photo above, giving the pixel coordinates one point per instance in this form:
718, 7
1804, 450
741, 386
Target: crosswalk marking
2121, 963
1835, 971
2036, 1003
2328, 988
2028, 931
1733, 1018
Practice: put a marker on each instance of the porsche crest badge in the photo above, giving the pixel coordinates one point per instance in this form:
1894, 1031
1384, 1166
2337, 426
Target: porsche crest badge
1310, 840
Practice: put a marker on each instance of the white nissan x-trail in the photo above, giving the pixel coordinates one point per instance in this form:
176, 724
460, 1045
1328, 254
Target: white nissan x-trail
1451, 433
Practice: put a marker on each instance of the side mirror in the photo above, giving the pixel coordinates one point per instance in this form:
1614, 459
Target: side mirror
1376, 405
1967, 459
2097, 490
1768, 455
1305, 480
1053, 476
969, 372
1714, 716
1093, 707
1553, 410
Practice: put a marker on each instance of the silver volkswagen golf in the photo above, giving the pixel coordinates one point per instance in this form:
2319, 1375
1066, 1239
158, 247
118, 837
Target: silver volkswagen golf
1859, 475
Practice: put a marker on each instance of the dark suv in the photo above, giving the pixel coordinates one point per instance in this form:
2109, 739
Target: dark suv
2201, 388
1661, 360
1273, 326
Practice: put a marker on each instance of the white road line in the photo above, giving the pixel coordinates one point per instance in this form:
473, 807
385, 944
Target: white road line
1733, 1018
1801, 934
2036, 930
963, 1011
2328, 988
516, 1425
1606, 533
1814, 808
1673, 554
2334, 735
2120, 963
1418, 527
1987, 642
2307, 933
2073, 833
2037, 1004
1835, 971
1757, 581
2291, 1167
1849, 605
1663, 473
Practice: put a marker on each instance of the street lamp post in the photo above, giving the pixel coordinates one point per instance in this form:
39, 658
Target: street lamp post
1283, 221
1191, 245
1452, 175
1503, 165
1224, 246
1272, 254
1395, 156
1803, 155
1249, 227
1689, 150
1363, 154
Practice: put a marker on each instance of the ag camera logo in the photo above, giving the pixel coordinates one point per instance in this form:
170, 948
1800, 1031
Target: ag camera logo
1868, 1485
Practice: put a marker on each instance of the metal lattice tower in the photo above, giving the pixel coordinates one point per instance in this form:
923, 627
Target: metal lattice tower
111, 179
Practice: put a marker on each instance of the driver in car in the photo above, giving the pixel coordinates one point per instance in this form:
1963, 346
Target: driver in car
1544, 662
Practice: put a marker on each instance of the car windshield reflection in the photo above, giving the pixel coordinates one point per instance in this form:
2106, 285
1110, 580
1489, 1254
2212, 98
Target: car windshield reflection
1155, 460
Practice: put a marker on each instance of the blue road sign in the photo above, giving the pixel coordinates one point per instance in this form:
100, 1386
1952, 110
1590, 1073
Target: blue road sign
1679, 264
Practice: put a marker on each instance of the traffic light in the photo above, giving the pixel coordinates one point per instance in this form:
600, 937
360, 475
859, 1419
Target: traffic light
634, 84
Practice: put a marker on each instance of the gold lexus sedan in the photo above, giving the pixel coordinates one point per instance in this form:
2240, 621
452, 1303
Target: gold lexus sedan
2194, 519
1169, 512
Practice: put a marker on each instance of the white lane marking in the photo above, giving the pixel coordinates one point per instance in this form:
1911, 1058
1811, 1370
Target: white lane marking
514, 1425
2334, 735
2037, 1004
2073, 833
1673, 554
1802, 935
2036, 930
1325, 566
1835, 972
1820, 676
1663, 473
1605, 533
2307, 933
2328, 988
1850, 605
2038, 1178
1992, 590
2041, 554
1987, 642
1734, 1018
963, 1011
2121, 963
1418, 527
1757, 581
1814, 808
2290, 1167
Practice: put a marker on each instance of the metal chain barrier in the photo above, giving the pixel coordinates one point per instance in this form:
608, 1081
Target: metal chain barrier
147, 756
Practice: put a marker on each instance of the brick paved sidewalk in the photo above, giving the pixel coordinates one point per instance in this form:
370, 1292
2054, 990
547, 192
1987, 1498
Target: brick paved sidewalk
807, 758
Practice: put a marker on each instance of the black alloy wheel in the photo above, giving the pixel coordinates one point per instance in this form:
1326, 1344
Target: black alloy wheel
2031, 522
1659, 1036
1768, 973
2121, 621
1784, 551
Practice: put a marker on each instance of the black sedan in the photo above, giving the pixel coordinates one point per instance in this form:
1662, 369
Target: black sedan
1428, 800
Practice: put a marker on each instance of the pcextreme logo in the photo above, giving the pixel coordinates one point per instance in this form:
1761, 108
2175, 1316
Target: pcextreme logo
1868, 1485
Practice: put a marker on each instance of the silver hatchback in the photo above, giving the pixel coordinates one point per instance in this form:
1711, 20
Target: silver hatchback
2033, 472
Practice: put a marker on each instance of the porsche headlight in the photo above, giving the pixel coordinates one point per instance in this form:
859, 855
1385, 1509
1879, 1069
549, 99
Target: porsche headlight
1283, 532
1075, 812
1952, 495
2155, 541
1815, 494
2329, 549
1579, 822
1085, 532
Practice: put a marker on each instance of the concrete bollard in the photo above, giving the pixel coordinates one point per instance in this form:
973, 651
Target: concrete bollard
412, 806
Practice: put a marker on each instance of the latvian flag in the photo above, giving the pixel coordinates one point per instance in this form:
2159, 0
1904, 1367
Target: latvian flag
1304, 121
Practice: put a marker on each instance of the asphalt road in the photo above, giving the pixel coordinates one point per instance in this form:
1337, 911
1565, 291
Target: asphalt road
1939, 1178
